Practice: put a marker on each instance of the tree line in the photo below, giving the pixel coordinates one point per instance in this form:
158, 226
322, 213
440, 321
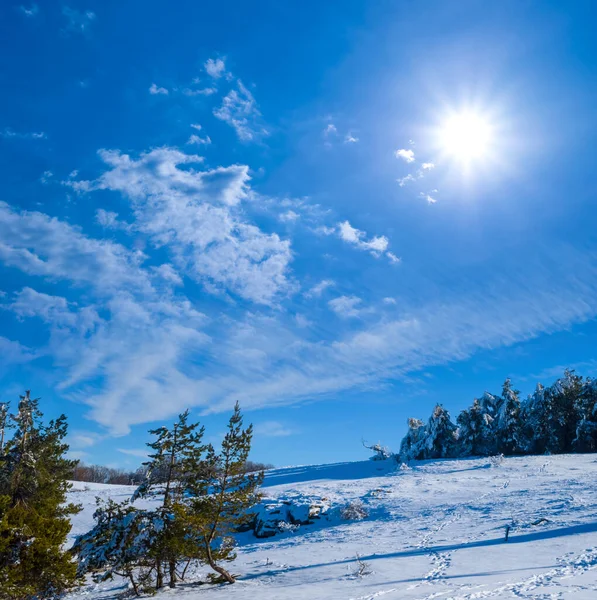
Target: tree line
556, 419
198, 498
102, 474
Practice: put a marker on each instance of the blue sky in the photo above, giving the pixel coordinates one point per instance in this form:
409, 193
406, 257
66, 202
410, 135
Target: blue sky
283, 204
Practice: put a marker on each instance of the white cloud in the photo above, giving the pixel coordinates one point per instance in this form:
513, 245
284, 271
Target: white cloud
330, 130
289, 216
156, 91
319, 288
404, 180
350, 139
83, 439
197, 140
31, 11
195, 214
54, 310
46, 176
78, 21
271, 429
14, 353
240, 111
209, 91
393, 258
376, 245
110, 220
345, 306
137, 452
167, 273
40, 245
389, 300
302, 321
427, 166
428, 198
215, 68
9, 133
406, 155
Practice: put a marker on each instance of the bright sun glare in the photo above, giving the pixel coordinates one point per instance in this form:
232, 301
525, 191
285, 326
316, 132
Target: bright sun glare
466, 137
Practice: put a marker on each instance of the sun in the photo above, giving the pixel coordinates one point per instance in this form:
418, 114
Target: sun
466, 137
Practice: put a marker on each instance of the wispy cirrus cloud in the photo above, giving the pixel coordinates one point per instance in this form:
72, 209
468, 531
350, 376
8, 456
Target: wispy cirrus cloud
43, 246
319, 288
272, 429
240, 111
8, 133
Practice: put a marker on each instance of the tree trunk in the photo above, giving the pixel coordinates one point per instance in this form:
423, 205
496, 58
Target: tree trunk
221, 570
159, 578
172, 568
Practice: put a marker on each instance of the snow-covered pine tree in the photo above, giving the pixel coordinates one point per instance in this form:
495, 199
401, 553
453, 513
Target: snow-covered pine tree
534, 418
34, 514
562, 417
120, 543
411, 447
474, 432
507, 423
441, 437
232, 493
585, 439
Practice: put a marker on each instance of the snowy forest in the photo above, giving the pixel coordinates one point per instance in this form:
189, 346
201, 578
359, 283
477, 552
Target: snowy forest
557, 419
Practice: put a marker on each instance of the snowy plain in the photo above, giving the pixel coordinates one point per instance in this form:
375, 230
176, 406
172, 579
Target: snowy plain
435, 530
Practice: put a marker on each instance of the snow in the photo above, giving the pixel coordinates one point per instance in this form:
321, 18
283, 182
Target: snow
435, 530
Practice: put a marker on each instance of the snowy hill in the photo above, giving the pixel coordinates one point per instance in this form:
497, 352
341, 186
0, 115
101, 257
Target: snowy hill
435, 530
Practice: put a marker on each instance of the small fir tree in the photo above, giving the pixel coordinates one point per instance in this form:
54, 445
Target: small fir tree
232, 493
174, 471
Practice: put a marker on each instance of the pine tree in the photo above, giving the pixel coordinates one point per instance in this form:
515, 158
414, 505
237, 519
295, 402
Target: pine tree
232, 493
120, 543
3, 420
174, 471
440, 435
585, 439
474, 431
34, 515
507, 424
411, 447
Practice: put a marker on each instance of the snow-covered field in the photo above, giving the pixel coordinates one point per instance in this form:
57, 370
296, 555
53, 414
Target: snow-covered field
434, 531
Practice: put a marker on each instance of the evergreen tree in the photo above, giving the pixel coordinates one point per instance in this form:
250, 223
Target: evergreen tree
534, 418
585, 439
3, 420
174, 471
440, 435
411, 447
121, 544
34, 515
232, 493
474, 433
507, 424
